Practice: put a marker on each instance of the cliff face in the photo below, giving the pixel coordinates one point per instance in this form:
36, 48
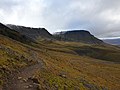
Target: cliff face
78, 36
33, 33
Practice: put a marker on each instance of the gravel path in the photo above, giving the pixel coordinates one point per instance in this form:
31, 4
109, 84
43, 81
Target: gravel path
24, 80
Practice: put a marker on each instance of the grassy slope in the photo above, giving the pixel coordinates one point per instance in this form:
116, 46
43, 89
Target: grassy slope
81, 71
13, 55
65, 68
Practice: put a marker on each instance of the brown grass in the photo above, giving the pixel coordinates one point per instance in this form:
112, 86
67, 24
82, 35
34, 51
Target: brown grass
64, 67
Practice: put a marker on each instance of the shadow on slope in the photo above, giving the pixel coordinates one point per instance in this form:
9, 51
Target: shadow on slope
13, 34
102, 53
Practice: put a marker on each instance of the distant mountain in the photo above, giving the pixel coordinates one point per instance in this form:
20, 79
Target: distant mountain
112, 41
33, 33
78, 36
4, 30
74, 36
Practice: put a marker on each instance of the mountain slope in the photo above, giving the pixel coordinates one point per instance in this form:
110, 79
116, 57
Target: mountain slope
33, 33
13, 34
57, 65
63, 67
78, 36
13, 56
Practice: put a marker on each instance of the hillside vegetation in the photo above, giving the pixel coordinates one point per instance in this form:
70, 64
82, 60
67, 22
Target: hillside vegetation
65, 68
57, 65
13, 55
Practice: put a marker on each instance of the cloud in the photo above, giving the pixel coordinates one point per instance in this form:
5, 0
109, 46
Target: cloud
100, 17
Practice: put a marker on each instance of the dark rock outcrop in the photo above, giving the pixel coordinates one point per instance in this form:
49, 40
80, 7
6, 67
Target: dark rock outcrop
78, 36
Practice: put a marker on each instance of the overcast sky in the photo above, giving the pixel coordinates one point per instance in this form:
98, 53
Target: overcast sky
100, 17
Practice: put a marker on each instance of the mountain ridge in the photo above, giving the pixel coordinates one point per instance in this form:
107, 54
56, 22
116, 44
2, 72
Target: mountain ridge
83, 36
78, 36
4, 30
31, 32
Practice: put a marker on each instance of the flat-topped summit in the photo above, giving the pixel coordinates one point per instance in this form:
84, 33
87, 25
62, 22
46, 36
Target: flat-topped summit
78, 36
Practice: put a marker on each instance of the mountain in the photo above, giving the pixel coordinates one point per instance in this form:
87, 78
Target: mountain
75, 35
56, 65
33, 33
13, 34
112, 41
78, 36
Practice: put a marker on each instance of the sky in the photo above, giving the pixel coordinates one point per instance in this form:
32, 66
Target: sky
100, 17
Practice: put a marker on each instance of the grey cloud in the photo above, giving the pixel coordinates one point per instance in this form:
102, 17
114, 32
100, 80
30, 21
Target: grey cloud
100, 17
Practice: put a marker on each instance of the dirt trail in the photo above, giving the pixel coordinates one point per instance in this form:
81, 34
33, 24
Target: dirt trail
24, 79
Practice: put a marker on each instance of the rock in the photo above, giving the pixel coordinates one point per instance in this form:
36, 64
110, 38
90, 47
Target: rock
56, 86
35, 80
21, 81
26, 87
36, 86
30, 86
25, 80
19, 78
63, 76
